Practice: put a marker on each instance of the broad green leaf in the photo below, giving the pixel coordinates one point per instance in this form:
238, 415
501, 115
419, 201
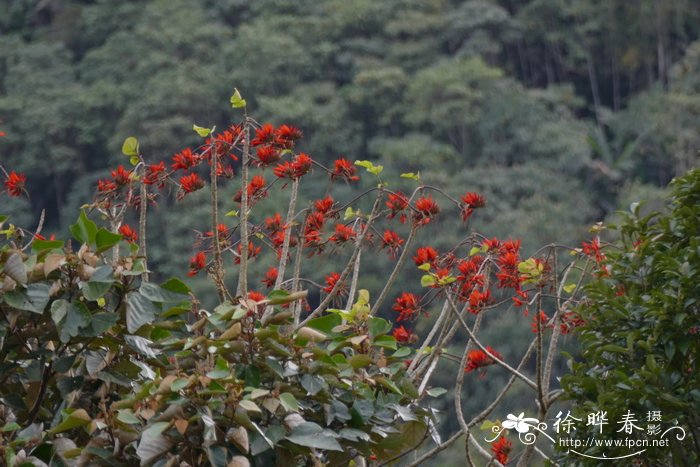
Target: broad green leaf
77, 318
130, 146
201, 131
153, 444
387, 342
72, 420
158, 294
427, 281
84, 230
424, 267
175, 285
378, 326
104, 240
237, 101
325, 323
34, 298
45, 245
436, 392
311, 435
313, 384
127, 416
289, 402
568, 288
139, 311
411, 175
14, 268
359, 360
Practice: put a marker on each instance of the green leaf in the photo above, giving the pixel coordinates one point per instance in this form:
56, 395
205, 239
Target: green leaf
77, 317
411, 175
313, 384
232, 213
370, 167
311, 435
153, 444
427, 280
44, 245
349, 214
326, 323
128, 417
568, 288
387, 342
34, 298
237, 101
359, 360
134, 160
130, 146
104, 240
289, 402
436, 392
175, 285
378, 327
424, 267
15, 269
94, 290
84, 230
72, 420
158, 294
139, 311
201, 131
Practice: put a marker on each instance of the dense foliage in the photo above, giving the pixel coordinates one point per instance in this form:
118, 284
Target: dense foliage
640, 348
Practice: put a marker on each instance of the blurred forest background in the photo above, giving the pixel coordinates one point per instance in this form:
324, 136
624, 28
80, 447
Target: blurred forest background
559, 112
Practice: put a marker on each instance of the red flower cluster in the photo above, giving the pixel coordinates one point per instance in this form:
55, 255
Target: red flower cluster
392, 242
190, 183
508, 274
252, 252
540, 317
300, 166
15, 183
129, 234
401, 334
424, 255
478, 300
197, 263
255, 296
569, 321
426, 209
408, 305
331, 280
480, 359
270, 277
469, 278
324, 205
501, 449
156, 175
342, 234
471, 201
185, 160
344, 170
593, 249
270, 142
397, 203
256, 190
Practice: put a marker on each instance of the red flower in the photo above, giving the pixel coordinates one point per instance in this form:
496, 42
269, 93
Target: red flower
396, 203
541, 317
270, 277
501, 449
392, 242
197, 263
315, 221
344, 169
593, 249
190, 183
407, 305
264, 135
155, 174
267, 155
121, 176
284, 170
301, 165
221, 230
274, 223
252, 252
426, 209
479, 359
472, 201
324, 205
569, 321
15, 183
401, 334
286, 135
424, 255
256, 190
493, 244
342, 234
255, 296
184, 160
331, 280
2, 134
106, 185
128, 233
478, 300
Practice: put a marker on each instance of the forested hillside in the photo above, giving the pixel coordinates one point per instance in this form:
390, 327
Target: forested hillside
562, 109
557, 112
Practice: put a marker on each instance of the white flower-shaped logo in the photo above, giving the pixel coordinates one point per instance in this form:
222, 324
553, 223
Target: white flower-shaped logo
520, 423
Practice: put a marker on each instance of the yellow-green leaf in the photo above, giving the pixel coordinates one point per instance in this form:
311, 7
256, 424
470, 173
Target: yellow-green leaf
236, 100
130, 147
201, 131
